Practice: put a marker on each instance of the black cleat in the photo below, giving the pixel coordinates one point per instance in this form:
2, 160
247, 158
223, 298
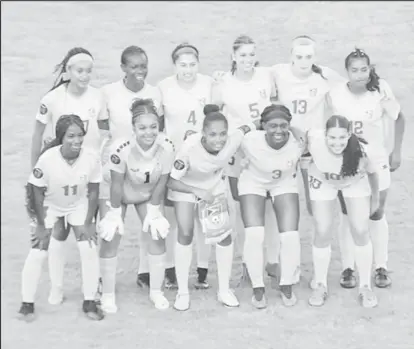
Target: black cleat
382, 280
92, 310
143, 280
26, 312
348, 279
170, 281
201, 283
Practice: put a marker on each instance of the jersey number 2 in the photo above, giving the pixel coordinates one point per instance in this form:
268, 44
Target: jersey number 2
66, 190
192, 118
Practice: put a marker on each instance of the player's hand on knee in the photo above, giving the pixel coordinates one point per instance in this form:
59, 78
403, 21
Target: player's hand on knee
159, 228
375, 204
111, 224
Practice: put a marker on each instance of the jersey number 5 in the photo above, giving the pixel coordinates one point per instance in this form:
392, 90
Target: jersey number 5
192, 118
74, 190
254, 110
300, 106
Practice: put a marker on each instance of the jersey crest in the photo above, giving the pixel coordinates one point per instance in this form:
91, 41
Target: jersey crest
313, 92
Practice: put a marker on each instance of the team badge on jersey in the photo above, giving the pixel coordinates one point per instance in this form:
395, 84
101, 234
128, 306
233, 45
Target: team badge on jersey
115, 159
313, 92
179, 165
202, 101
92, 113
43, 109
369, 114
37, 172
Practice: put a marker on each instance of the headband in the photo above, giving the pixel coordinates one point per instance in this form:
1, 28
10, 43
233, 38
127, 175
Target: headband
79, 57
302, 41
186, 49
277, 114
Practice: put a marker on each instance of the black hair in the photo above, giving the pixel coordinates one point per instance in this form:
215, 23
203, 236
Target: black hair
142, 106
239, 42
278, 109
176, 54
353, 152
60, 69
62, 125
130, 51
373, 83
315, 68
212, 113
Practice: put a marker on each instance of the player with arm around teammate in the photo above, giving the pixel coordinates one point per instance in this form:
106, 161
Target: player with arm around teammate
342, 161
184, 95
272, 157
370, 105
139, 168
119, 97
197, 182
63, 189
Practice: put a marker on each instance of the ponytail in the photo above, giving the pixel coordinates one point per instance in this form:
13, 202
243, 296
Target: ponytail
53, 143
373, 84
318, 70
352, 155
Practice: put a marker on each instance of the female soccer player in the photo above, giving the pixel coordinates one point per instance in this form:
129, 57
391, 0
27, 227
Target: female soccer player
368, 102
119, 97
341, 161
71, 93
272, 155
243, 93
63, 188
197, 179
139, 168
183, 97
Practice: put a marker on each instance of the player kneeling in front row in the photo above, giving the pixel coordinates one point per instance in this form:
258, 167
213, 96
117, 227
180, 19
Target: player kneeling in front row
342, 161
63, 188
272, 157
197, 185
139, 170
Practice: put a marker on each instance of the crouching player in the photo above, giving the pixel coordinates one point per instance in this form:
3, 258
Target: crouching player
139, 169
197, 182
342, 161
272, 155
63, 189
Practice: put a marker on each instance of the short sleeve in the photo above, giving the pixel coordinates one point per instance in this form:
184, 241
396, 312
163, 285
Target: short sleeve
117, 157
96, 174
44, 114
389, 103
39, 176
181, 164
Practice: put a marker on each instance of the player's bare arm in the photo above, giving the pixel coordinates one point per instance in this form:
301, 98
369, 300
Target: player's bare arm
117, 183
395, 157
159, 191
37, 140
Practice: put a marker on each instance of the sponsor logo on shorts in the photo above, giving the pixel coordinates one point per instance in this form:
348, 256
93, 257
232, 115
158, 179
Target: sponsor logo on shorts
179, 165
37, 172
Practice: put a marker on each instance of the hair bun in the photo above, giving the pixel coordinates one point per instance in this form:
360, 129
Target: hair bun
211, 108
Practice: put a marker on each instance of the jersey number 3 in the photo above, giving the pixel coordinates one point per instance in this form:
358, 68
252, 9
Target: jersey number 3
192, 118
300, 106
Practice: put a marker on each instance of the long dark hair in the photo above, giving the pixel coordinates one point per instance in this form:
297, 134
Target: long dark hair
373, 83
353, 152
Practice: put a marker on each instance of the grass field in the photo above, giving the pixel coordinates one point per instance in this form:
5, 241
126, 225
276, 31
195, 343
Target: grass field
35, 37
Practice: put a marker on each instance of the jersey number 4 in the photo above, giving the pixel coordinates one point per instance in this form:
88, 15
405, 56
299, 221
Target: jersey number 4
192, 118
300, 106
73, 190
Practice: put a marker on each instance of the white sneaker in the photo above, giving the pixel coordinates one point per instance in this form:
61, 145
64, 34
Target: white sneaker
108, 304
228, 299
182, 302
55, 296
160, 302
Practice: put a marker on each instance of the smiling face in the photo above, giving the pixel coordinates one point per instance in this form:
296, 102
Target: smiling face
72, 141
245, 57
146, 128
337, 139
80, 74
277, 131
186, 67
215, 136
135, 68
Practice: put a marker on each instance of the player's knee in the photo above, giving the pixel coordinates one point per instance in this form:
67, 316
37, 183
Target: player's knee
108, 249
40, 244
156, 247
185, 236
322, 236
360, 235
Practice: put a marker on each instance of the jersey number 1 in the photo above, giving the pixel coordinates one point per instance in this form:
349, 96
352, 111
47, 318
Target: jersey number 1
74, 190
147, 177
192, 118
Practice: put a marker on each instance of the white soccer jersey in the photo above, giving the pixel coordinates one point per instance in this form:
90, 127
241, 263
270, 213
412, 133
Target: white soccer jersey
183, 109
269, 166
326, 166
365, 112
244, 101
142, 169
89, 107
196, 167
119, 100
305, 98
66, 185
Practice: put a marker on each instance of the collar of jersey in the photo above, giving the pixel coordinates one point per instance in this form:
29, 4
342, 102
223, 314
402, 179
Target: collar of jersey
150, 153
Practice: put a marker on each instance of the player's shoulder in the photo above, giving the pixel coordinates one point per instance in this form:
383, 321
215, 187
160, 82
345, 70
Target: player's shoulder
166, 82
279, 68
191, 142
205, 79
111, 87
383, 85
50, 155
53, 95
165, 143
121, 145
254, 136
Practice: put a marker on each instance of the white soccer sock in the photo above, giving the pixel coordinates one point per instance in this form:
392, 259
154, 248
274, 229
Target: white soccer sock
90, 269
56, 263
143, 253
239, 234
203, 249
184, 255
321, 260
379, 236
346, 243
157, 271
171, 239
272, 239
108, 273
224, 260
363, 259
31, 273
289, 256
253, 254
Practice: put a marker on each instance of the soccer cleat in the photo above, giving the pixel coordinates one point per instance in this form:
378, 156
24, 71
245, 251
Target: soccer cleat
348, 279
55, 296
182, 302
367, 297
201, 283
319, 295
382, 280
259, 298
170, 281
228, 299
143, 280
26, 312
160, 302
92, 311
288, 297
108, 304
272, 270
